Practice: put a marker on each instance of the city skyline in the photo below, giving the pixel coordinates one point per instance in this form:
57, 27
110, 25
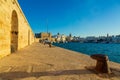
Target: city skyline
79, 17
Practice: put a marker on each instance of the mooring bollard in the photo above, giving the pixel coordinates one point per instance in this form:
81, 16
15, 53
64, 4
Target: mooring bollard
102, 63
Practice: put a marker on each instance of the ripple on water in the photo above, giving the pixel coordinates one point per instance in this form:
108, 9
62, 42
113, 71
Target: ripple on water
112, 50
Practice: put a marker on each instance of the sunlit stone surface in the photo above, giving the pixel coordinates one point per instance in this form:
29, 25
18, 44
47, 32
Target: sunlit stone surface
15, 31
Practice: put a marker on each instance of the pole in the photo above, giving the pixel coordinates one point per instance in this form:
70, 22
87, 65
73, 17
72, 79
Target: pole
47, 25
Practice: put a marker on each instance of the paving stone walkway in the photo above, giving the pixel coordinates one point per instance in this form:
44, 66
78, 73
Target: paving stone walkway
39, 62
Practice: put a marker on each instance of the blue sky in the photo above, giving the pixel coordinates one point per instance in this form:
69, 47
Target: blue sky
79, 17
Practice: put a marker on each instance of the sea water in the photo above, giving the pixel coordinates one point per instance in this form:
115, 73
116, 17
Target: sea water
111, 50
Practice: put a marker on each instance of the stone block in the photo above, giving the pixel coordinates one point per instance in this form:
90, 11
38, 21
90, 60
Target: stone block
12, 19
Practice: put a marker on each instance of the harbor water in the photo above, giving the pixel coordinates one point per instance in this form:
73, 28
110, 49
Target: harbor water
111, 50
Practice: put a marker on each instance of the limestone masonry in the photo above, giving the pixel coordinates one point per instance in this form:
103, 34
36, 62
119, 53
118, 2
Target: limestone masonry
15, 31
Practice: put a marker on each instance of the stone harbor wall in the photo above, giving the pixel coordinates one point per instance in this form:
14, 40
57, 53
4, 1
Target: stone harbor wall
15, 31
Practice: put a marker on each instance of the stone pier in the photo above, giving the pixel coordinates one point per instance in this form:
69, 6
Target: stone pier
40, 62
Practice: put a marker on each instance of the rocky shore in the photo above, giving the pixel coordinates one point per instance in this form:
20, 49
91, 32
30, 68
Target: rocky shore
40, 62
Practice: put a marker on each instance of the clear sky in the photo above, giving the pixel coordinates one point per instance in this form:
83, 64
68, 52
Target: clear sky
79, 17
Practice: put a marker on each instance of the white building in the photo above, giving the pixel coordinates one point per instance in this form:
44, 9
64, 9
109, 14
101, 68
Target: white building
60, 38
63, 38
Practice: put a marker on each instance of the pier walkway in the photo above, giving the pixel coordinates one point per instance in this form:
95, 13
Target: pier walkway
39, 62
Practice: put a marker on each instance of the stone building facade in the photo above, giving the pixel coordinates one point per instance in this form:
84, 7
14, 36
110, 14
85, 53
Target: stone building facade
44, 36
15, 31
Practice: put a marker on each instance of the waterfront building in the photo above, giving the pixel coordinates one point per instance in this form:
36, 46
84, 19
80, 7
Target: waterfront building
81, 40
59, 38
77, 39
45, 36
15, 31
91, 39
63, 38
101, 39
69, 38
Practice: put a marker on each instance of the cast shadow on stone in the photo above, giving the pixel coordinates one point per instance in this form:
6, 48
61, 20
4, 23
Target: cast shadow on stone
16, 75
115, 72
